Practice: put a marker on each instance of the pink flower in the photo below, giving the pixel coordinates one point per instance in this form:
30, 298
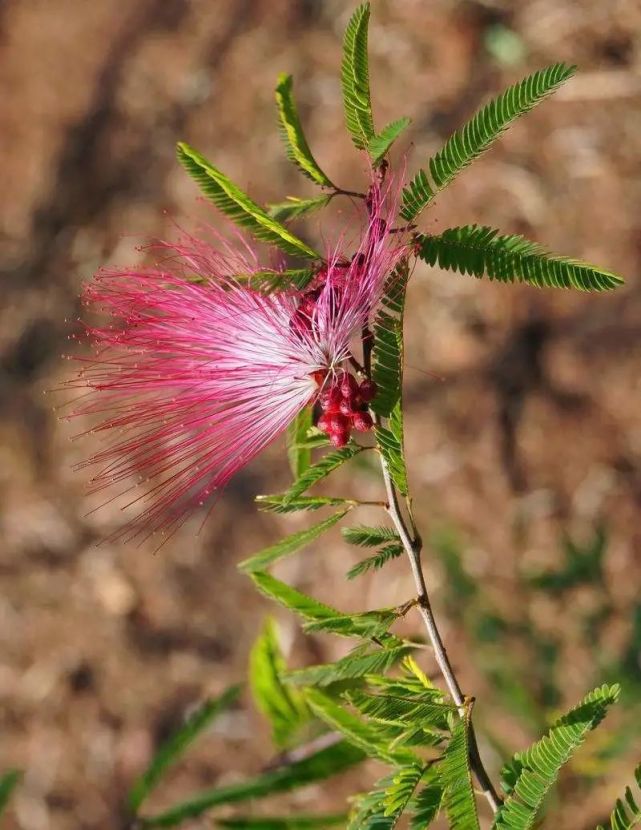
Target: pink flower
196, 372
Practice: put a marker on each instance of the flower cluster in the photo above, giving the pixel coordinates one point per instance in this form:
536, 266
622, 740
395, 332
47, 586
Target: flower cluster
196, 371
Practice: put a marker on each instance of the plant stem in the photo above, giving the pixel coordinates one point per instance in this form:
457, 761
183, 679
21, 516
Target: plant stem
412, 545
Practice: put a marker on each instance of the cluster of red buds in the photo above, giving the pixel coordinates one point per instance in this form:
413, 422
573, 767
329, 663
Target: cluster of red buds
344, 404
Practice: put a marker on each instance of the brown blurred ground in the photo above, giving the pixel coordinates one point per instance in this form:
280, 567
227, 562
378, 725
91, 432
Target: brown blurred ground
528, 425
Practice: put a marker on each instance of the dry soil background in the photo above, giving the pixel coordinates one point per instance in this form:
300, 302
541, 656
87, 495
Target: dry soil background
523, 405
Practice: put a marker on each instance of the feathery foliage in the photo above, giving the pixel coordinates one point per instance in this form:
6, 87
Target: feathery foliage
387, 369
290, 545
318, 766
365, 736
456, 779
355, 79
627, 811
478, 134
294, 208
376, 561
326, 465
364, 660
231, 200
530, 775
380, 144
482, 252
369, 537
281, 504
295, 142
284, 707
299, 455
178, 743
390, 444
426, 803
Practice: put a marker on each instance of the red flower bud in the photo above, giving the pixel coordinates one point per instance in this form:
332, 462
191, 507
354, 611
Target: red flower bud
362, 421
368, 390
339, 438
349, 385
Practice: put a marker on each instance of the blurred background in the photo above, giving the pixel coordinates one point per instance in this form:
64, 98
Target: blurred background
523, 406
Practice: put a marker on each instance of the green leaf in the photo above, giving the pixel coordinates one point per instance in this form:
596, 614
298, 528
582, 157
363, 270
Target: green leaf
293, 207
355, 79
231, 200
387, 369
380, 144
426, 804
281, 504
8, 783
456, 780
427, 710
390, 444
369, 537
530, 774
289, 545
295, 142
302, 604
370, 624
627, 812
266, 280
282, 823
178, 744
362, 661
322, 764
376, 561
480, 251
479, 133
284, 707
327, 464
367, 738
382, 808
321, 617
300, 458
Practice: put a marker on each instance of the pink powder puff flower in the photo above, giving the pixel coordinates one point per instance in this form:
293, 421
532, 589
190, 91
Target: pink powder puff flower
196, 372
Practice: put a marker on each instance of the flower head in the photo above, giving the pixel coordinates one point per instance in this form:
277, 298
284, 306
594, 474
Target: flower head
195, 372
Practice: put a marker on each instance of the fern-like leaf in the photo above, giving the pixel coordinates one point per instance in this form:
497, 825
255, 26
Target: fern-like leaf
293, 207
283, 706
456, 779
369, 537
530, 775
360, 662
426, 803
371, 624
627, 811
289, 545
318, 766
390, 444
380, 144
482, 252
479, 133
231, 200
296, 144
326, 465
362, 735
387, 369
355, 79
382, 807
299, 456
376, 561
280, 504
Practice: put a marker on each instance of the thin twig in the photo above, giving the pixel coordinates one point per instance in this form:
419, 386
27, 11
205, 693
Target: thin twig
412, 545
